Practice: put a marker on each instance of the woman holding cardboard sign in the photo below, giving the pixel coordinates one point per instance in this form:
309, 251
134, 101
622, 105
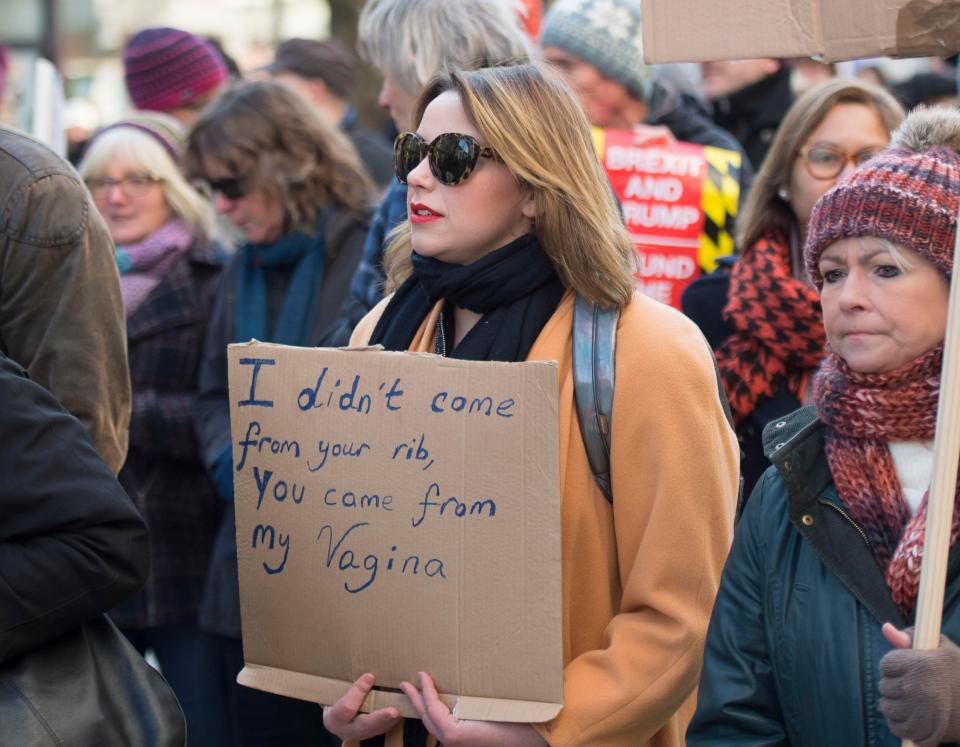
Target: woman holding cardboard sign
763, 317
826, 563
510, 217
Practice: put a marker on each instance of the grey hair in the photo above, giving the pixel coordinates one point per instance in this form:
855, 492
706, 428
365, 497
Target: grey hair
141, 151
413, 40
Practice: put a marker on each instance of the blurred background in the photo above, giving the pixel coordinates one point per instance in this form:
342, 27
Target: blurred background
82, 42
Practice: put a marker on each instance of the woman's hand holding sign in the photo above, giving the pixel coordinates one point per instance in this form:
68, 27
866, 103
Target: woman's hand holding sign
452, 732
344, 719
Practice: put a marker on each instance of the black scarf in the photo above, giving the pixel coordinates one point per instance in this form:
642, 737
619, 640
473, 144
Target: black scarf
515, 288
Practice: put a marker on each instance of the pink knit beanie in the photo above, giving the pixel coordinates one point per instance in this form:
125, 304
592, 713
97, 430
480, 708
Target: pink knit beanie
168, 68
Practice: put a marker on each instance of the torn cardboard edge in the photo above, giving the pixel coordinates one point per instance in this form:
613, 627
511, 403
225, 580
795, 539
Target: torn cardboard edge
326, 691
830, 30
346, 348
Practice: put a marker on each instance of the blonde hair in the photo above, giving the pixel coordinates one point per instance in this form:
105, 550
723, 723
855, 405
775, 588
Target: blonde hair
268, 136
764, 209
143, 153
413, 40
534, 123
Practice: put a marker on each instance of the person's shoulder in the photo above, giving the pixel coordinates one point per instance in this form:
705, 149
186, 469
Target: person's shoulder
364, 329
658, 344
766, 515
367, 139
212, 252
646, 322
30, 158
44, 202
394, 205
704, 300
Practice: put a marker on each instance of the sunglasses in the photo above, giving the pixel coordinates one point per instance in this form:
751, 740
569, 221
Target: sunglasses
233, 188
452, 156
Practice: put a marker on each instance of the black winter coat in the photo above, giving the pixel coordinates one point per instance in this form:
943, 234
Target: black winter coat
794, 645
72, 544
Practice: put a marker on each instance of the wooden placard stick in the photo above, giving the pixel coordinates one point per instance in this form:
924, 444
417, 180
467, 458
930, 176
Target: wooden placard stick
943, 486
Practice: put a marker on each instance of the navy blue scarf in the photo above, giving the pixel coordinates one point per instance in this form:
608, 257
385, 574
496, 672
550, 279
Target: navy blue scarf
515, 288
306, 253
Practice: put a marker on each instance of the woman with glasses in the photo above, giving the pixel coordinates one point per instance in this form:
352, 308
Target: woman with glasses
161, 227
294, 189
510, 217
763, 318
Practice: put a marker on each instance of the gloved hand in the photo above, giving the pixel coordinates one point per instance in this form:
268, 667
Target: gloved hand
221, 471
920, 690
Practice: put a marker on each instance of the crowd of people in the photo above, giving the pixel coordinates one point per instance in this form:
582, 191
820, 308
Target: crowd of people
753, 580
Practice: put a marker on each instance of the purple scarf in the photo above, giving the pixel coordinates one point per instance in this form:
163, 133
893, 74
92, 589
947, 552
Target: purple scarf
143, 265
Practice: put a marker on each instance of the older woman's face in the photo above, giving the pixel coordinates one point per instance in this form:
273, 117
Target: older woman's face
132, 204
850, 131
878, 315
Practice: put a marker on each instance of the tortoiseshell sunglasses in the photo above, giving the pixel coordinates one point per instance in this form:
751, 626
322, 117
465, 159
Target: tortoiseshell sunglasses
452, 156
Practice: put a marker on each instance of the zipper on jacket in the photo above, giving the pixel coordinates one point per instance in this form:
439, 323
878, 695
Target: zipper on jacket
440, 346
846, 516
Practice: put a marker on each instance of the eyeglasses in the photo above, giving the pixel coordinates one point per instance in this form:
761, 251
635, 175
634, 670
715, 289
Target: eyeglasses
452, 156
826, 162
232, 188
133, 187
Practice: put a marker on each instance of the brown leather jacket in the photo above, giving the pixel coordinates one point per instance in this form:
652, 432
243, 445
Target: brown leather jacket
61, 314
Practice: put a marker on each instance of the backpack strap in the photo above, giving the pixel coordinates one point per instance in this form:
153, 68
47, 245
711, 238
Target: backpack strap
594, 345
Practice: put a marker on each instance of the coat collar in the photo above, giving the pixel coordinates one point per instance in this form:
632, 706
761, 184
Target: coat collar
795, 446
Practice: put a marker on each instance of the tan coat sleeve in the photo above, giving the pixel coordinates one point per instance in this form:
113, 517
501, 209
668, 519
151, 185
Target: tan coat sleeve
675, 471
61, 314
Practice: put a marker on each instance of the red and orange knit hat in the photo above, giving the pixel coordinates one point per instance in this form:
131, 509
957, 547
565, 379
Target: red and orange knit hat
908, 194
168, 68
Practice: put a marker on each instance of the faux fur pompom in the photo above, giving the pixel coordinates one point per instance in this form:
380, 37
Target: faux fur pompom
929, 127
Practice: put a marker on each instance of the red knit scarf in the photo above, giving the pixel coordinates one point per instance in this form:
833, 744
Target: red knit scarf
863, 413
778, 333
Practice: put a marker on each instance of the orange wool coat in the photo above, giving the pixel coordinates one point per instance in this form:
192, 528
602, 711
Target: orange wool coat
639, 577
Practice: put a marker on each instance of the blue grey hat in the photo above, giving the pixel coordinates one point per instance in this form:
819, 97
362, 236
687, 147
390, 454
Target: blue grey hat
606, 34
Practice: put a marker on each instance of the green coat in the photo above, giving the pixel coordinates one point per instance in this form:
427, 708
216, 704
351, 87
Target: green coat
794, 645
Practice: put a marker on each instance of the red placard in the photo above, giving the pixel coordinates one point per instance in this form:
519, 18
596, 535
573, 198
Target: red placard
678, 201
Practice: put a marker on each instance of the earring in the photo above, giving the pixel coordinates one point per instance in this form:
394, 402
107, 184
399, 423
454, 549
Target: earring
783, 194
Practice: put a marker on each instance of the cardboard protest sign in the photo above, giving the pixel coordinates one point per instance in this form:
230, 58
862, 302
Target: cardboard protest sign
700, 30
397, 513
679, 201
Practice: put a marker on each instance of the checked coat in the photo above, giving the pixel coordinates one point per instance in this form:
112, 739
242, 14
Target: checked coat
163, 473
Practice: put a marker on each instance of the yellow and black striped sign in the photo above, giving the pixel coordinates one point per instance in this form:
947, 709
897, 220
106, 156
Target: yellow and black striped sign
719, 200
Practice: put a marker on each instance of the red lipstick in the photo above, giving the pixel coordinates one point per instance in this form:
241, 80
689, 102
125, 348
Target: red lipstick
422, 214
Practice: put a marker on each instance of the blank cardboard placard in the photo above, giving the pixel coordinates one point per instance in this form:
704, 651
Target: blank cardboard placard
398, 512
701, 30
